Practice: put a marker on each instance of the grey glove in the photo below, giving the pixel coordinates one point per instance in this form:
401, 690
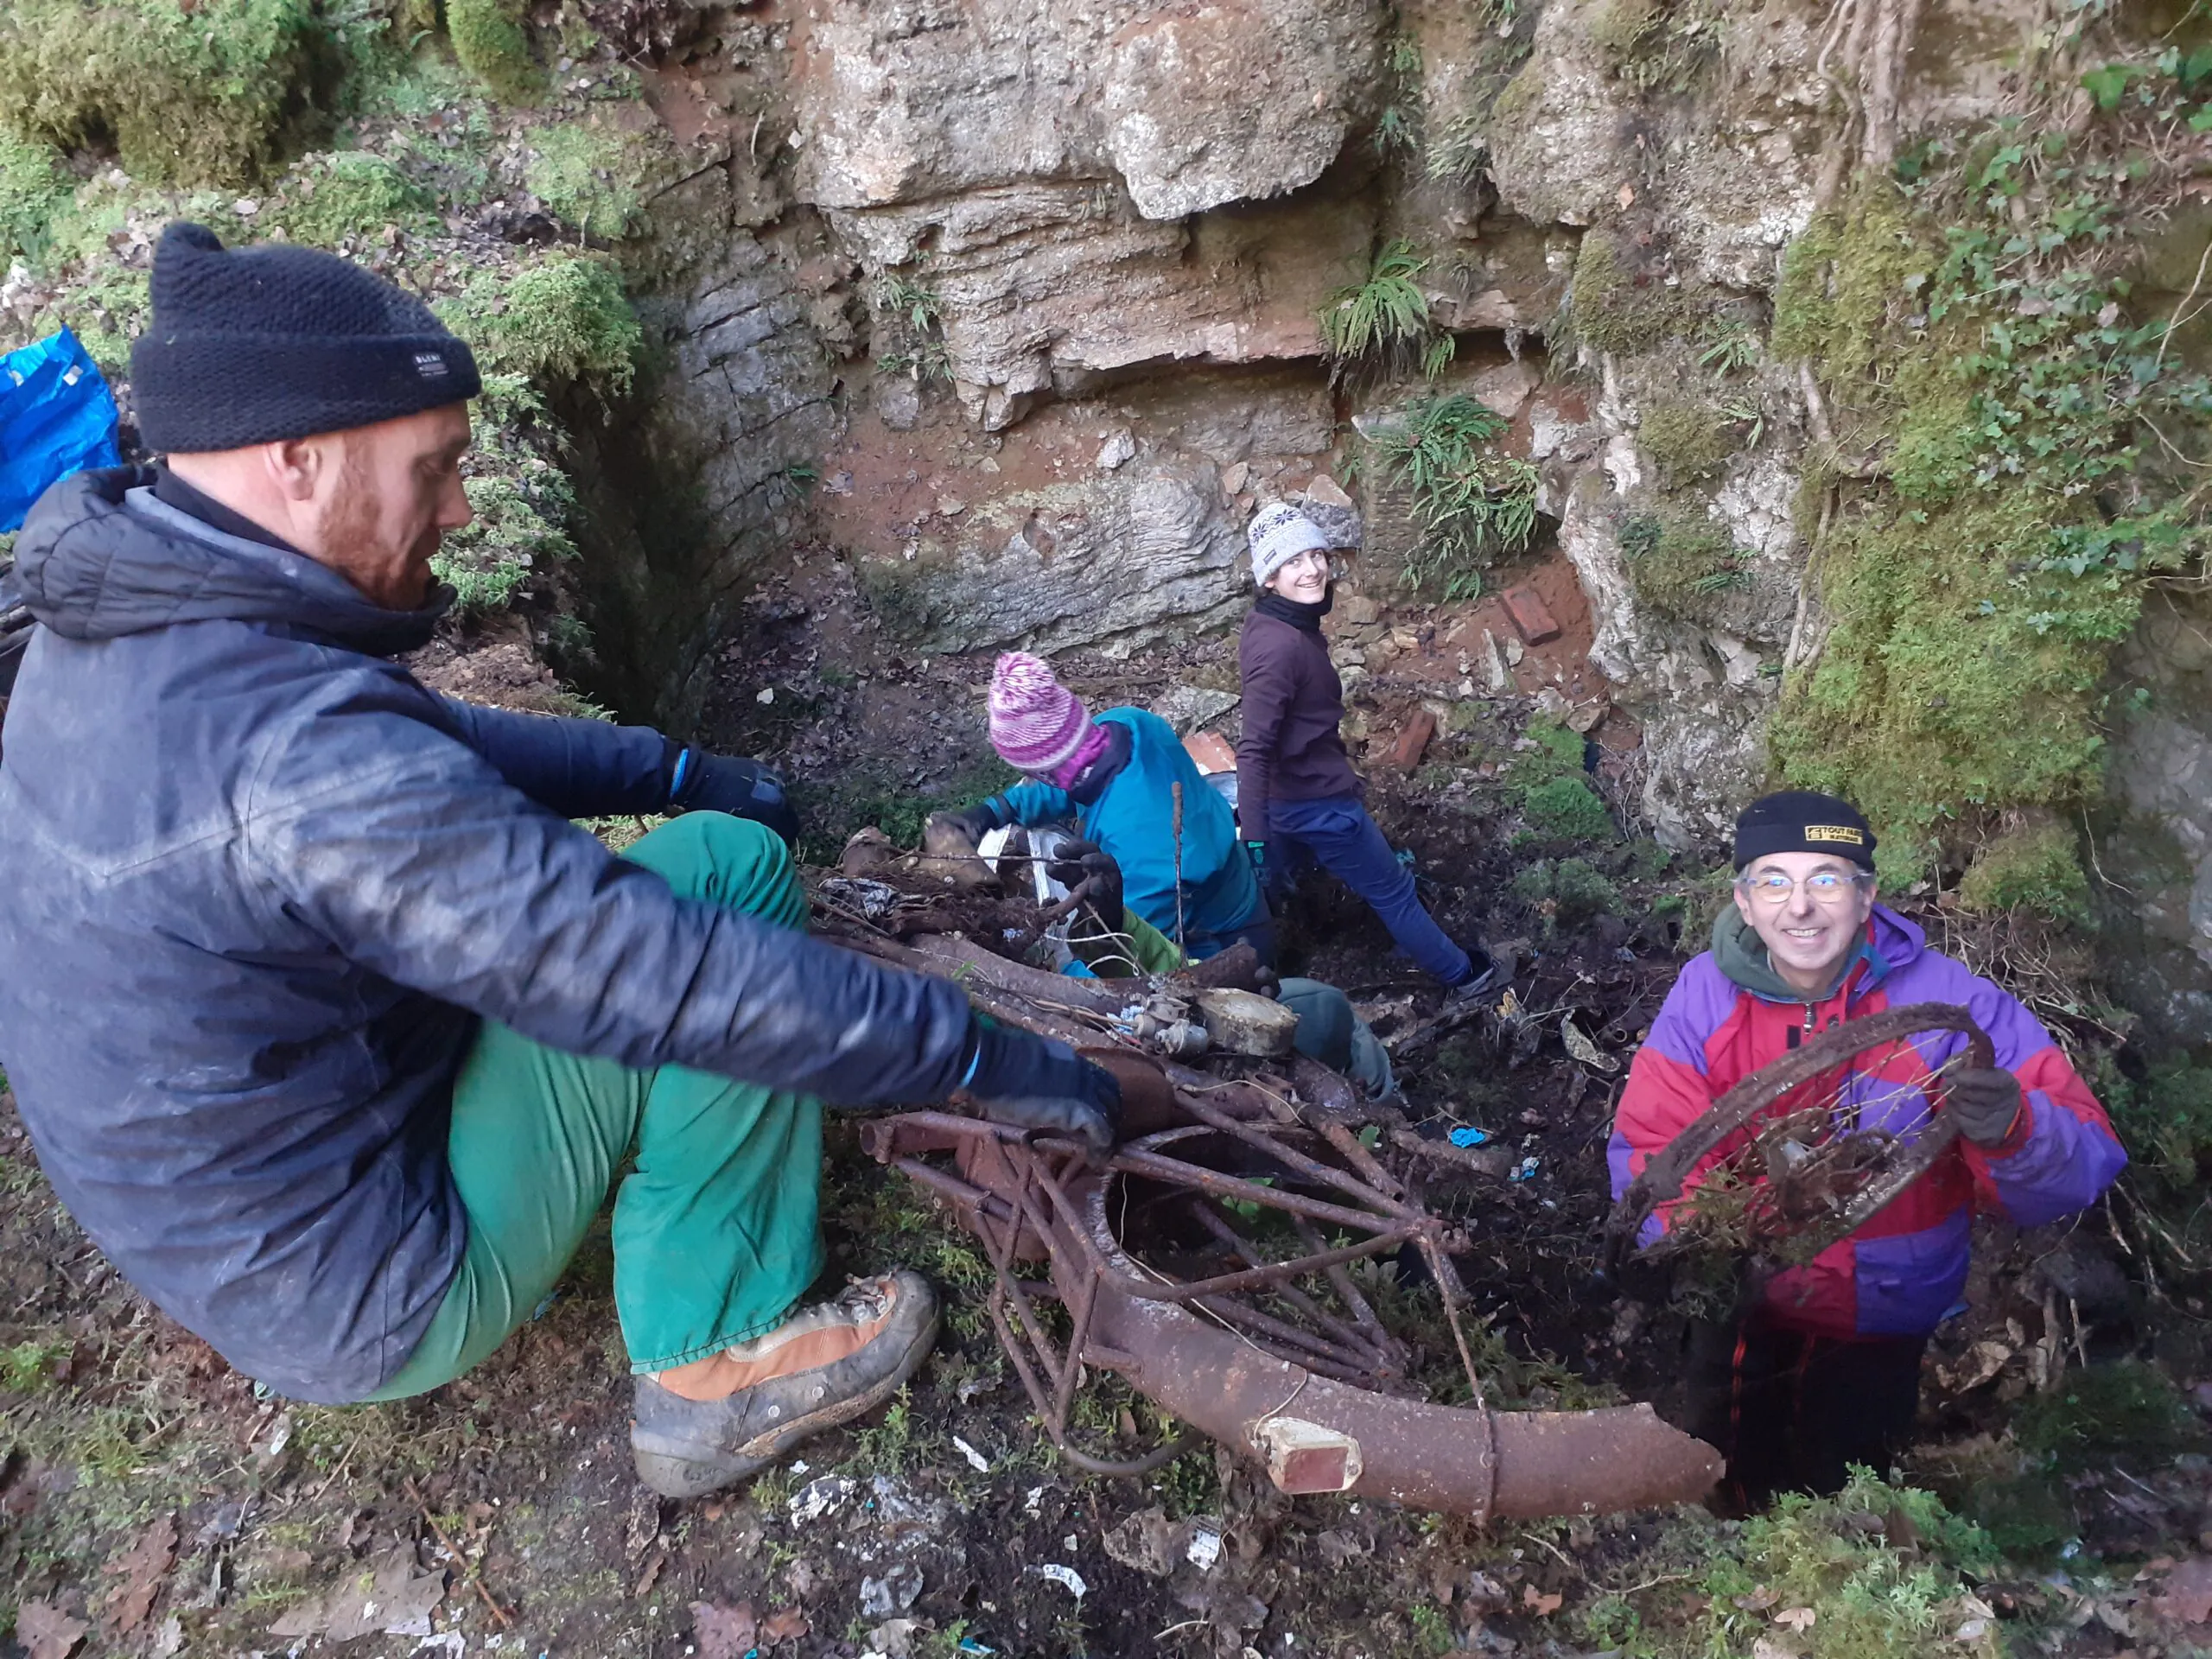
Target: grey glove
1985, 1102
1033, 1082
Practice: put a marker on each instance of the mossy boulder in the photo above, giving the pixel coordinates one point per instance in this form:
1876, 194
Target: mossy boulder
489, 40
1683, 565
2034, 867
1619, 304
595, 175
1688, 442
32, 187
189, 94
349, 196
561, 321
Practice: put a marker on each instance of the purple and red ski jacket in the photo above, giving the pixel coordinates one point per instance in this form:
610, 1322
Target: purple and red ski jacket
1901, 1272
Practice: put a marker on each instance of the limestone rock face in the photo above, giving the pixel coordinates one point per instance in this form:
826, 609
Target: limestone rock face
1233, 102
2155, 842
1563, 136
1053, 174
1190, 107
1109, 557
1700, 694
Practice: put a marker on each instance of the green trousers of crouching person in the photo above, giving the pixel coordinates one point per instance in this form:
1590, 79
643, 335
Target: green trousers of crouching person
716, 1231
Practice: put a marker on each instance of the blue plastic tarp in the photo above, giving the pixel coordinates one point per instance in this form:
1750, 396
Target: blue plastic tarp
57, 417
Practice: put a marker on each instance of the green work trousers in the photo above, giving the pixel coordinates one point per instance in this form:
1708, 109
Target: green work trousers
717, 1232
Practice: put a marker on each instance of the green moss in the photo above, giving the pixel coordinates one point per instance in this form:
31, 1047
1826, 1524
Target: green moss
591, 175
1567, 809
561, 321
2035, 867
1978, 581
2123, 1409
522, 501
32, 187
1688, 442
1573, 890
107, 309
1612, 310
186, 94
489, 40
1956, 675
350, 194
1844, 284
1683, 566
2166, 1121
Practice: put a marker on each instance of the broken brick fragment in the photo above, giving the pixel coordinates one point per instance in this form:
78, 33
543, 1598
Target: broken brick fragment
1413, 739
1530, 616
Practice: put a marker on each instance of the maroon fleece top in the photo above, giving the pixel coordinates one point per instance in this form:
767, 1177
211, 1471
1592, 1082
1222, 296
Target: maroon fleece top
1294, 704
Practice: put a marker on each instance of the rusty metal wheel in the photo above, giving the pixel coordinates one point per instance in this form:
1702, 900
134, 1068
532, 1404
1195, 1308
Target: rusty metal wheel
1808, 1149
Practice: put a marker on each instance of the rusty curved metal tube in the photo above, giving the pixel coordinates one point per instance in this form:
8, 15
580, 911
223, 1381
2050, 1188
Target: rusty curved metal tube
1513, 1465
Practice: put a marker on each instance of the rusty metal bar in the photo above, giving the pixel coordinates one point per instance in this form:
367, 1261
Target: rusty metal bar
1350, 1334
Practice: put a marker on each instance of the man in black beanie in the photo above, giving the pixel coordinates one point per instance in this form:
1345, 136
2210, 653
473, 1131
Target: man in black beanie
329, 1025
1824, 1371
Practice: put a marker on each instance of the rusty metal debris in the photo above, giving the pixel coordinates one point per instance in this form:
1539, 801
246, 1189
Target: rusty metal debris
1792, 1182
1208, 1262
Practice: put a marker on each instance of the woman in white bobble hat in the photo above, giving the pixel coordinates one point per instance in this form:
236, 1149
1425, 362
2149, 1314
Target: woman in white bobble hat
1298, 796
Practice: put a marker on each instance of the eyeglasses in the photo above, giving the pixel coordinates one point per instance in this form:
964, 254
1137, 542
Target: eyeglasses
1826, 886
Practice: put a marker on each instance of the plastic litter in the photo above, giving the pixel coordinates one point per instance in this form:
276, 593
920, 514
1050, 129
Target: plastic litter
977, 1460
1066, 1577
1523, 1170
57, 417
1465, 1136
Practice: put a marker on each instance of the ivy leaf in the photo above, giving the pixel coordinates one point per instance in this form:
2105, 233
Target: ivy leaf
2108, 85
2202, 120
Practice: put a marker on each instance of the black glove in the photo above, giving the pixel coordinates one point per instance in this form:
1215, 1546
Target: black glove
973, 821
1081, 862
744, 789
1986, 1102
1033, 1082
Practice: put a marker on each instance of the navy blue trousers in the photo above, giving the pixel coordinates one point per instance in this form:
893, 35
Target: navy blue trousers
1337, 833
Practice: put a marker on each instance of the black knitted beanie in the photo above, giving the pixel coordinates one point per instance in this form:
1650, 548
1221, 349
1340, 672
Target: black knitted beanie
254, 344
1801, 821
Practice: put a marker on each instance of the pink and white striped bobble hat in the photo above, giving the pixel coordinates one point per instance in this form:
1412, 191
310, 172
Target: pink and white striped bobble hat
1037, 723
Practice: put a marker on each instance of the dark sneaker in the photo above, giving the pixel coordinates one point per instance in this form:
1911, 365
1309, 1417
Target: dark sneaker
1494, 970
686, 1449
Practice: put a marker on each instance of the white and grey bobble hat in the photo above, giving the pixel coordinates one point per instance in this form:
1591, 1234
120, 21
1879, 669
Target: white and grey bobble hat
1279, 533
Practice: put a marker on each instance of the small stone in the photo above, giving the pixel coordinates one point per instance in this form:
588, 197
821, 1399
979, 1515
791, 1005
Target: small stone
897, 402
1232, 480
894, 1593
1119, 449
951, 506
1494, 669
1325, 491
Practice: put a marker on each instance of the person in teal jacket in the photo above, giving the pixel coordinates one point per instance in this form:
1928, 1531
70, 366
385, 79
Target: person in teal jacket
1115, 778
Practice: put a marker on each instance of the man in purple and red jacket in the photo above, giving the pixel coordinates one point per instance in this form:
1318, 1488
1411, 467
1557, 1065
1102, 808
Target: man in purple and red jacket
1825, 1371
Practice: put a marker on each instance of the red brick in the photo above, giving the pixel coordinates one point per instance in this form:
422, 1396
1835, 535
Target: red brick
1413, 738
1535, 623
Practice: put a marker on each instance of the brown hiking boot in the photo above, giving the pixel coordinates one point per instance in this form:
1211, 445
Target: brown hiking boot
825, 1365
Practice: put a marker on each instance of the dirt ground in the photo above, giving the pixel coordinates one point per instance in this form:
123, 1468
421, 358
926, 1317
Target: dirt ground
152, 1502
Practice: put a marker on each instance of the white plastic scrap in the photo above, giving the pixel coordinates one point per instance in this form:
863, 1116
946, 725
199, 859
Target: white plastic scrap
1204, 1548
1066, 1577
820, 1497
977, 1460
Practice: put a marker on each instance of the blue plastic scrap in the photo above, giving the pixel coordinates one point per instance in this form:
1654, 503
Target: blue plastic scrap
1469, 1137
57, 417
1523, 1170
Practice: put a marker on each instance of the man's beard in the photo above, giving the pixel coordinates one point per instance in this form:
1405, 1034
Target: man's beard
351, 534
